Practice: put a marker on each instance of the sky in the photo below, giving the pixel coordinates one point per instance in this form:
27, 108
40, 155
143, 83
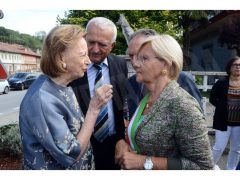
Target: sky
31, 16
30, 21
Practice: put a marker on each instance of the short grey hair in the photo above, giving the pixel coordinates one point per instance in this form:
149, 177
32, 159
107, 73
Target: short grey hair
102, 22
144, 32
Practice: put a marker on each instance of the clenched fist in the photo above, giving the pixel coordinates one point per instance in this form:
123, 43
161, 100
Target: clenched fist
102, 95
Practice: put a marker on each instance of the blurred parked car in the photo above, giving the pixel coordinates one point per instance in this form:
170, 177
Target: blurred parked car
4, 86
22, 80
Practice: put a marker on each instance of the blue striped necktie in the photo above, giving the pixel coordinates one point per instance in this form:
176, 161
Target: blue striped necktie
101, 129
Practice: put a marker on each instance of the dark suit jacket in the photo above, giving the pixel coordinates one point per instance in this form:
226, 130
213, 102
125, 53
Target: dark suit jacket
118, 76
135, 92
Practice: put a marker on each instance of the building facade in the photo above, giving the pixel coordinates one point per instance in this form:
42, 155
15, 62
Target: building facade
206, 52
18, 58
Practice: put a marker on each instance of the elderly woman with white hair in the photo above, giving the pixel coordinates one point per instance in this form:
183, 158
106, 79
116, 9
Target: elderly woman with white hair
168, 130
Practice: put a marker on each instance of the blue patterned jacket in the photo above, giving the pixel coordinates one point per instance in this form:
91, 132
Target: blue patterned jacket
50, 119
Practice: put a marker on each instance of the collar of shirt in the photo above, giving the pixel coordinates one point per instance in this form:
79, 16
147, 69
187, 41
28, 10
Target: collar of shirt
91, 73
105, 63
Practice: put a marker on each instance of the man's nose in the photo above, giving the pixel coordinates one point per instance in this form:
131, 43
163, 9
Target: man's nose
134, 61
95, 47
87, 60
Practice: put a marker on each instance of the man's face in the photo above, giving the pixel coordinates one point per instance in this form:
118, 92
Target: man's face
134, 46
99, 43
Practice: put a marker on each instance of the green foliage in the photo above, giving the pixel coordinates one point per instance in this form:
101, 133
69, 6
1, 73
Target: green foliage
174, 22
161, 21
40, 35
10, 139
10, 36
199, 80
205, 94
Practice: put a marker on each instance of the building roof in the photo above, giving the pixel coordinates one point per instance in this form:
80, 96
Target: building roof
18, 49
214, 24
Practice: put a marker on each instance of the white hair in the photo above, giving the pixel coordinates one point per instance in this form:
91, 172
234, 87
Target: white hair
102, 22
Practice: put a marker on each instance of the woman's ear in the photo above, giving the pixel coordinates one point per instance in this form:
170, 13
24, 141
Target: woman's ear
168, 64
64, 65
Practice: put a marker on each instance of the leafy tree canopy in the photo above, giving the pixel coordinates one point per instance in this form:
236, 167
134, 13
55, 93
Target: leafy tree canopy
11, 36
162, 21
174, 22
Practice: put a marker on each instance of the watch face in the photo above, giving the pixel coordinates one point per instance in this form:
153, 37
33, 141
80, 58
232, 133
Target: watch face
148, 165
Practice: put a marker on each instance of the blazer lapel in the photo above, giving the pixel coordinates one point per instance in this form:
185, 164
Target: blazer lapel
163, 99
111, 68
112, 73
81, 90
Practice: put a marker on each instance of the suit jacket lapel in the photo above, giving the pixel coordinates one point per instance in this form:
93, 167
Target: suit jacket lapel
81, 90
111, 68
81, 87
112, 73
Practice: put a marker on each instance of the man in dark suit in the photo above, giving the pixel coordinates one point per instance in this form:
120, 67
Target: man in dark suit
100, 37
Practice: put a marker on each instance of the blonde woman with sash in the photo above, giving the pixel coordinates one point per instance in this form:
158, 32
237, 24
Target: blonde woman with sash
168, 130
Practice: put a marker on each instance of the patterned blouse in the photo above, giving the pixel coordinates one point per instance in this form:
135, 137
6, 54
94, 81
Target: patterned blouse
175, 128
234, 105
50, 119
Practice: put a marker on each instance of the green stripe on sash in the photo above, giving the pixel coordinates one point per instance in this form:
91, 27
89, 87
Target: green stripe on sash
137, 121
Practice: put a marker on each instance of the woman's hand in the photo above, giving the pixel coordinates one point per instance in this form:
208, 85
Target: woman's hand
131, 160
120, 149
102, 95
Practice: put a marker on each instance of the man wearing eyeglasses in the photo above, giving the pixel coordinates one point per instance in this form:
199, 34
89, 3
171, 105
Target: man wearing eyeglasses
104, 69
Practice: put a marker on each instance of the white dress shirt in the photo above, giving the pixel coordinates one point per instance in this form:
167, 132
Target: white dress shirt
91, 73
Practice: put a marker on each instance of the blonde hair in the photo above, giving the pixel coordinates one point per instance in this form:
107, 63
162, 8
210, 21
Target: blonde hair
59, 38
168, 49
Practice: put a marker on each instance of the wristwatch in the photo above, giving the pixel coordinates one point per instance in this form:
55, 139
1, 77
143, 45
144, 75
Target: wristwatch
148, 165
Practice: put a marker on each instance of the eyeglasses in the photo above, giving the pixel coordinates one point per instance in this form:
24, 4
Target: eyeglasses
236, 65
143, 59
